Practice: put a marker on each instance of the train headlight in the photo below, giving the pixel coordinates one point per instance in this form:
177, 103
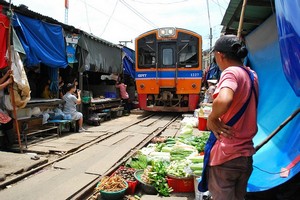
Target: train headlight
166, 32
194, 86
142, 86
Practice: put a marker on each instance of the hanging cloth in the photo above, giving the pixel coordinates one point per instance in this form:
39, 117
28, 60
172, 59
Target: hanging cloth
54, 82
17, 43
21, 86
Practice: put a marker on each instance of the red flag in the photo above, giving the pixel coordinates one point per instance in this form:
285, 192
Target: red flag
67, 4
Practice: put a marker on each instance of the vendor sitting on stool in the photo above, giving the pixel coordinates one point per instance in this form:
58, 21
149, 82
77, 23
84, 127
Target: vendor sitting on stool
71, 103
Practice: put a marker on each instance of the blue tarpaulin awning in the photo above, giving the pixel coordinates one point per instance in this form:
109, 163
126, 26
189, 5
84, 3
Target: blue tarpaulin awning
128, 62
277, 102
43, 42
287, 13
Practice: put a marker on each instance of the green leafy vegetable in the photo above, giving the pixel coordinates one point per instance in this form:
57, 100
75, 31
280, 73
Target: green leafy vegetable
140, 162
158, 178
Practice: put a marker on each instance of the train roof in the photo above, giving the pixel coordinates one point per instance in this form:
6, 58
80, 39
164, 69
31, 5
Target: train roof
177, 28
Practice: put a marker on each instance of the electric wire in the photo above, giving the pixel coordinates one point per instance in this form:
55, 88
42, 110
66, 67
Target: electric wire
268, 172
87, 16
138, 14
219, 5
117, 1
96, 9
166, 3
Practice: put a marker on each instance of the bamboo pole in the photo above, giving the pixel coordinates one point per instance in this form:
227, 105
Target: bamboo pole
239, 33
11, 89
277, 130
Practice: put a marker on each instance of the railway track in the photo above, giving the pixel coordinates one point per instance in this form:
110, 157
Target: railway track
75, 174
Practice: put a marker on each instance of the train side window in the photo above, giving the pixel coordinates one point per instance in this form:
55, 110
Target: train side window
188, 50
188, 56
147, 51
146, 58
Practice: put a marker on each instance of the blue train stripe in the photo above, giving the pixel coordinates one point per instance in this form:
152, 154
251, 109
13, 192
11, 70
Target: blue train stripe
169, 74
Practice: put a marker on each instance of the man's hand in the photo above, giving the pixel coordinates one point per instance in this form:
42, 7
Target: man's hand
8, 73
218, 127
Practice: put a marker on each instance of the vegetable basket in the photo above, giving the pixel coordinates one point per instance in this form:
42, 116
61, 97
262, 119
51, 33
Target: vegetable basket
114, 195
181, 184
126, 174
147, 188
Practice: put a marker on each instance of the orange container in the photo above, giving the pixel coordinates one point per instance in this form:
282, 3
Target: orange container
202, 123
181, 185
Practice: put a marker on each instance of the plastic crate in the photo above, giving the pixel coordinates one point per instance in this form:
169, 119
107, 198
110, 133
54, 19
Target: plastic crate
181, 185
111, 95
131, 184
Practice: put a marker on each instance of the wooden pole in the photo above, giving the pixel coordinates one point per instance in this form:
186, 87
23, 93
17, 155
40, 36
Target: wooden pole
239, 33
11, 89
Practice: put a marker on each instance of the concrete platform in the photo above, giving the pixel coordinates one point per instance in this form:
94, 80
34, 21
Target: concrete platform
16, 163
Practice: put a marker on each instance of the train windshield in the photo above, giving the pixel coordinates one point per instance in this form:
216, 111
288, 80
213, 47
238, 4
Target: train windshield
187, 50
166, 52
168, 56
147, 51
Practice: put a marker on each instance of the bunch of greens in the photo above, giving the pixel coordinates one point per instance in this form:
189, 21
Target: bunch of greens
139, 162
179, 168
196, 141
159, 146
157, 177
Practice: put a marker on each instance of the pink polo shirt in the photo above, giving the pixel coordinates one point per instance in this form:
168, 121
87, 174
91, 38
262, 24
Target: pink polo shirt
245, 128
123, 92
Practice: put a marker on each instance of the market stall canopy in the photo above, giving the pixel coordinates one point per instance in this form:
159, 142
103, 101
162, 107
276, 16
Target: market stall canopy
273, 46
287, 14
43, 42
255, 14
98, 55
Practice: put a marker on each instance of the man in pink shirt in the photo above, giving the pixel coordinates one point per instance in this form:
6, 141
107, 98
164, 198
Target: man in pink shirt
124, 95
230, 163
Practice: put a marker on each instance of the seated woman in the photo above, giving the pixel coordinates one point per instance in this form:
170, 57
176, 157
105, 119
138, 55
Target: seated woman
71, 103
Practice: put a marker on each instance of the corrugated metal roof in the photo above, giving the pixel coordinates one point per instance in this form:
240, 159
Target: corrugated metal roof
256, 12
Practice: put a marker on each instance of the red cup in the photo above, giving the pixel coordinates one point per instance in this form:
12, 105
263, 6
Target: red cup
202, 123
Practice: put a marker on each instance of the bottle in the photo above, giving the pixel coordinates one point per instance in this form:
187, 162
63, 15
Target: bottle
201, 112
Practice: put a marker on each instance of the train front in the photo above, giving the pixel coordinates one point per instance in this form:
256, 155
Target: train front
168, 70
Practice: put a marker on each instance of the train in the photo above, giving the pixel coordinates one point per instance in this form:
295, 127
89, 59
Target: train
168, 69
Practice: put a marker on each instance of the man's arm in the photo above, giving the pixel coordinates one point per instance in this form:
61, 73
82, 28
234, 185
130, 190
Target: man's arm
78, 101
220, 106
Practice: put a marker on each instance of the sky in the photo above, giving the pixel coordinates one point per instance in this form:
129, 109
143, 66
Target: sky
124, 20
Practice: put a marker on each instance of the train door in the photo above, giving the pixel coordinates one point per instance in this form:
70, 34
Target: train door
166, 66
